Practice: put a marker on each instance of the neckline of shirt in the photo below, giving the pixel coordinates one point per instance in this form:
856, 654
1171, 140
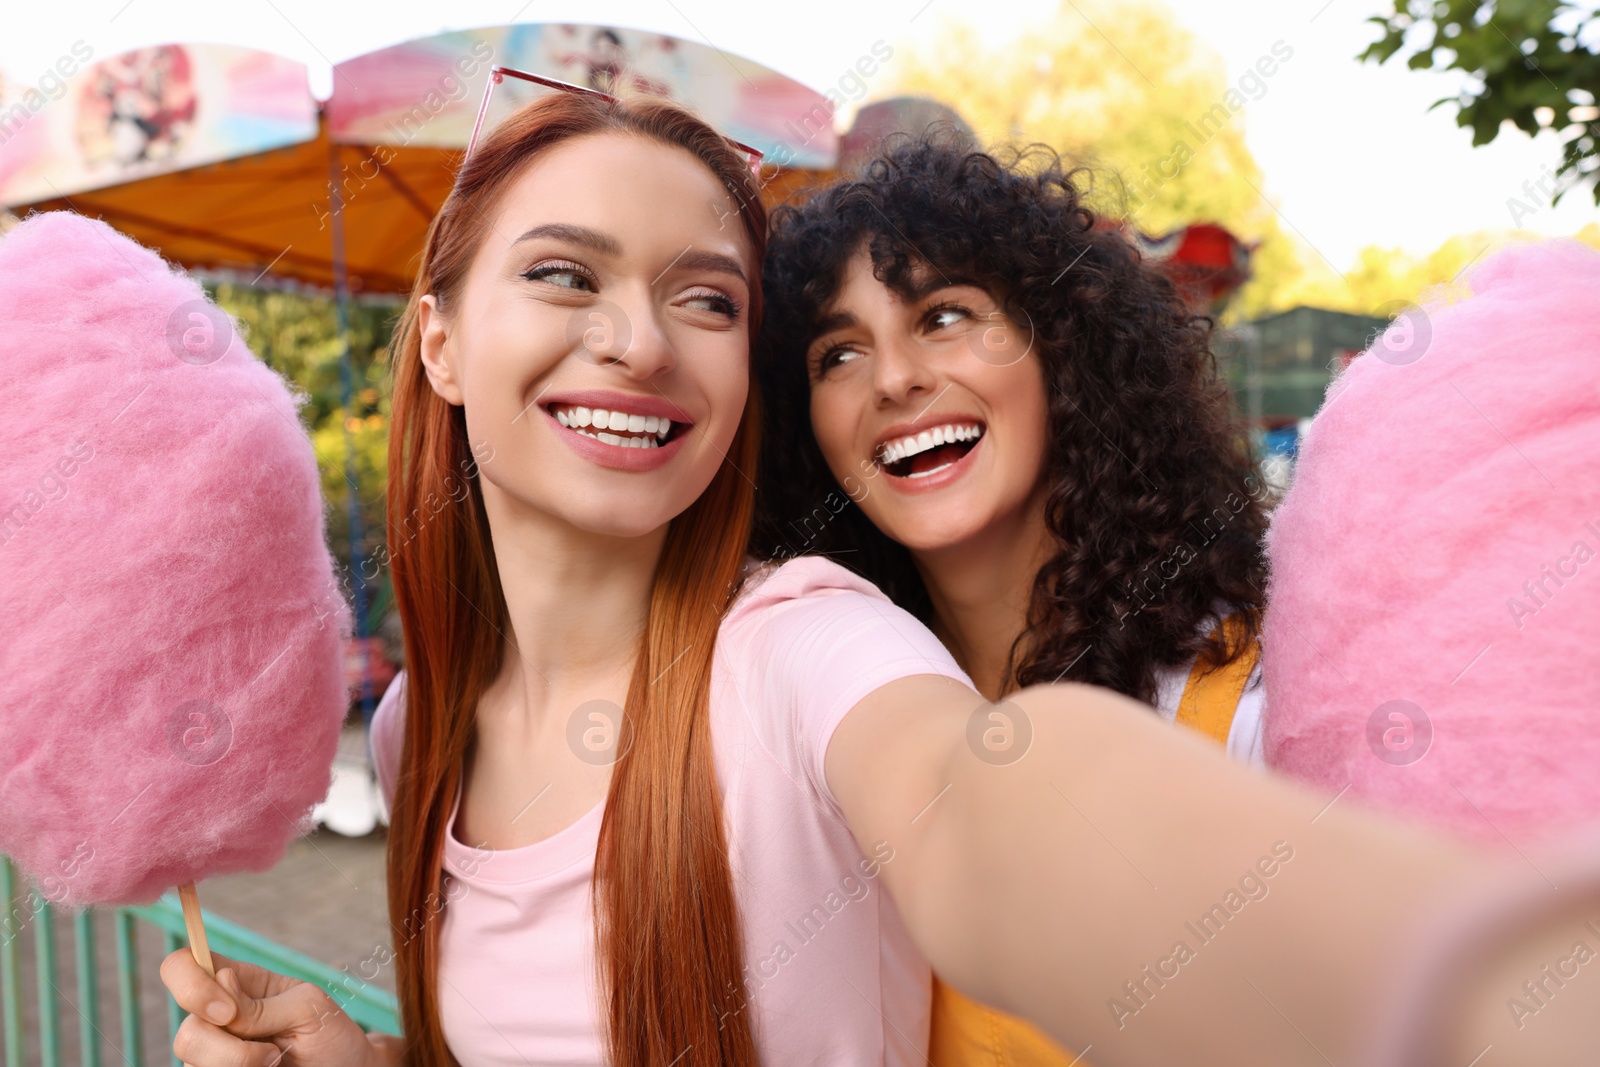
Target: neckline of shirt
577, 842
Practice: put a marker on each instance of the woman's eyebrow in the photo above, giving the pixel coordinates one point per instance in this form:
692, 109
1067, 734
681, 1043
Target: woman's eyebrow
834, 320
922, 288
691, 259
714, 261
578, 235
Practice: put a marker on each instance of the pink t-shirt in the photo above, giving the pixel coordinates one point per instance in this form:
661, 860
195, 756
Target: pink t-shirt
832, 977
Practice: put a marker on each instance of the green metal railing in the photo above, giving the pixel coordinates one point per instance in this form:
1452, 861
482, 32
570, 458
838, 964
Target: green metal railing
371, 1007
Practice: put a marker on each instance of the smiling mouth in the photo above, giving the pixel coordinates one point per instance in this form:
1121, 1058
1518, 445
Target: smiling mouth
623, 429
930, 451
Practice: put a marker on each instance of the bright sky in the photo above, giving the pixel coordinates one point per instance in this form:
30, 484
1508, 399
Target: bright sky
1351, 154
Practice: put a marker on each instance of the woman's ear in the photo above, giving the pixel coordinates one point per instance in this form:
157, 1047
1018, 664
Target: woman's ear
437, 356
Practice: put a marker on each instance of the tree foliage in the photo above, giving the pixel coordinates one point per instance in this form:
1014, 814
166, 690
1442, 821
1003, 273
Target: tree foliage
1385, 278
1125, 90
1530, 63
297, 335
1119, 86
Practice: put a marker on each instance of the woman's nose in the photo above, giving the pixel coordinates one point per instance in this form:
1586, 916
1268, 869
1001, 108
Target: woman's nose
601, 333
900, 372
608, 332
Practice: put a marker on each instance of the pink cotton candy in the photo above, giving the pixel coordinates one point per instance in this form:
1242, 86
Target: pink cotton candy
170, 645
1440, 546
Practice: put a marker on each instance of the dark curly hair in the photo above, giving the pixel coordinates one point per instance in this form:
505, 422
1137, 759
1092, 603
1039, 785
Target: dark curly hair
1153, 500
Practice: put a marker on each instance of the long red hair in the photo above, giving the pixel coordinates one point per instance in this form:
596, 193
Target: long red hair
667, 925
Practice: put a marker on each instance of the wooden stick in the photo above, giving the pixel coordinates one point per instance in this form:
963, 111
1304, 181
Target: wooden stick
197, 928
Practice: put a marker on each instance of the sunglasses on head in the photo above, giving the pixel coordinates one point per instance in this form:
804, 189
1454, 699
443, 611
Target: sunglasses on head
497, 74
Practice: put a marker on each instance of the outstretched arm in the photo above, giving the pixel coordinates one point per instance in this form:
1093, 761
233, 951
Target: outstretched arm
1128, 888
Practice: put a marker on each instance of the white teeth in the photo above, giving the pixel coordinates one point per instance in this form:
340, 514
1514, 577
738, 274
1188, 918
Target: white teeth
656, 427
621, 442
906, 447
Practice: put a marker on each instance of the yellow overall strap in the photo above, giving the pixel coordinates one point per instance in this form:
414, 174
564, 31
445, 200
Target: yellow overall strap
1211, 697
968, 1034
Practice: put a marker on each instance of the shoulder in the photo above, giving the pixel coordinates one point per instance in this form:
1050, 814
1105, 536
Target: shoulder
771, 584
810, 604
386, 734
804, 643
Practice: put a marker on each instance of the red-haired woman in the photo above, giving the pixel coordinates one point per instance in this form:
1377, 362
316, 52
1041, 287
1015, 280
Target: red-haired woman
756, 863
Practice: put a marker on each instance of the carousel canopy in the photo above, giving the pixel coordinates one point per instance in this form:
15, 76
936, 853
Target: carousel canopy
220, 157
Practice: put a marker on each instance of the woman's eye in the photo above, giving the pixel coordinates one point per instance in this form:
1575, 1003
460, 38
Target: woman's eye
834, 357
716, 303
566, 277
939, 318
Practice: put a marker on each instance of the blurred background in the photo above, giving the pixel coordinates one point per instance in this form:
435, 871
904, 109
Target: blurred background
1304, 169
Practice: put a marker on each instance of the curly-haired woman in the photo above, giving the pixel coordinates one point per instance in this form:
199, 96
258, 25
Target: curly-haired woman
1044, 464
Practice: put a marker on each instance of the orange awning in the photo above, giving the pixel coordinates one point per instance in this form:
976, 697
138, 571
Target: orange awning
270, 212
